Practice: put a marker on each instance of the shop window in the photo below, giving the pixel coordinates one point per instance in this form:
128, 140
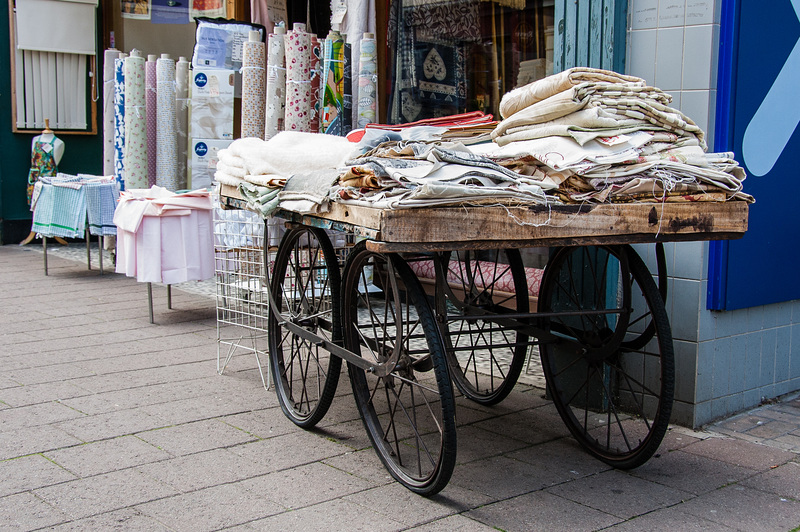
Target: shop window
454, 56
53, 64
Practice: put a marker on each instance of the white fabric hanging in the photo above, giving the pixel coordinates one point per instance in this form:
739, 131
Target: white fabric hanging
63, 26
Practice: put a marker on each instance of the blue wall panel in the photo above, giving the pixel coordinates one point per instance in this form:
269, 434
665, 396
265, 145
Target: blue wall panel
758, 114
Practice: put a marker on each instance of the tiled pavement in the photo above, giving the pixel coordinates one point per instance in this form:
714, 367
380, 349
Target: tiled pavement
110, 422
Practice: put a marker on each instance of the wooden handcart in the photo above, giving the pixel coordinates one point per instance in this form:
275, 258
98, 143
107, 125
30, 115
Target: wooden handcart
600, 322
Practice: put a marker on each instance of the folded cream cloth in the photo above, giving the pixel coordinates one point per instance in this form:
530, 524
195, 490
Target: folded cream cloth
227, 179
291, 152
527, 95
235, 171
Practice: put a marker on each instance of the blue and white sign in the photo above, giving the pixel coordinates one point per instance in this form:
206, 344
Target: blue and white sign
758, 113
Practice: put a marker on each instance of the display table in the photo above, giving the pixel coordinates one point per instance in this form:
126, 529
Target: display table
164, 237
67, 206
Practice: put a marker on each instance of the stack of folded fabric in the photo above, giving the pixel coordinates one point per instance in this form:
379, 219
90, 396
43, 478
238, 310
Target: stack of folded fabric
606, 137
260, 169
419, 174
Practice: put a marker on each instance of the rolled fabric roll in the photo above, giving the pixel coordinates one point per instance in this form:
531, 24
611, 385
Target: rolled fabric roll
166, 141
119, 120
316, 84
253, 87
368, 81
347, 88
298, 79
333, 79
108, 109
182, 120
151, 106
276, 83
135, 153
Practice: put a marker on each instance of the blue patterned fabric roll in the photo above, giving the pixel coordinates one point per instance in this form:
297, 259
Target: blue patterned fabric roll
119, 122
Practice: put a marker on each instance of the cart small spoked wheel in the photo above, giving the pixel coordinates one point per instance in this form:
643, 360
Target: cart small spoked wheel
486, 351
404, 394
607, 351
305, 292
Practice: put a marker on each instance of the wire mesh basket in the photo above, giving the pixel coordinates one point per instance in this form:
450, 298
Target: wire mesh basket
241, 287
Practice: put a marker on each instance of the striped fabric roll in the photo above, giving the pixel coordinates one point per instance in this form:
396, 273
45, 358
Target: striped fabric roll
151, 105
166, 139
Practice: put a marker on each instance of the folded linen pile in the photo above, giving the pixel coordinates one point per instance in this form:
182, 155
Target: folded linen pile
260, 169
606, 137
417, 174
585, 104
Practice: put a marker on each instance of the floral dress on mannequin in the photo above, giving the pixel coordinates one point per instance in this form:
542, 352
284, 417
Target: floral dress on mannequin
43, 163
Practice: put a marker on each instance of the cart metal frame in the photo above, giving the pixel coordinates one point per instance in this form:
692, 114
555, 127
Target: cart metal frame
601, 326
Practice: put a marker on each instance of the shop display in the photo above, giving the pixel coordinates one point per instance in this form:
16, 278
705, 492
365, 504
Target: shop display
135, 153
166, 136
163, 237
276, 83
65, 203
253, 87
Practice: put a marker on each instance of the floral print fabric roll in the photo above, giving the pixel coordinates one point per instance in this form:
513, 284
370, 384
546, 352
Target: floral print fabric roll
135, 161
298, 80
253, 89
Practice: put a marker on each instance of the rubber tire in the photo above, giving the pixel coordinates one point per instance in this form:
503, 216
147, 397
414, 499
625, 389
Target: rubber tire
567, 395
302, 352
369, 390
465, 381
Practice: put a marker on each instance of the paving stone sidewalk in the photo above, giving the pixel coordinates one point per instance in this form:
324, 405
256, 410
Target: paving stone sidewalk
110, 422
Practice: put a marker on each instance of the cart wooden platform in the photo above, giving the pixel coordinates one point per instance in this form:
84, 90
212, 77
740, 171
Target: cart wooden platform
600, 323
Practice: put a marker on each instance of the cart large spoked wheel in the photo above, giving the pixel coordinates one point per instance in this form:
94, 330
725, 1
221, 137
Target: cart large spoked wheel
305, 289
405, 396
485, 351
608, 357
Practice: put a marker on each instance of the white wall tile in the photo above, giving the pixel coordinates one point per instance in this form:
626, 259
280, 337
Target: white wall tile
685, 295
669, 58
694, 104
689, 261
671, 13
642, 57
712, 117
698, 53
676, 99
699, 12
644, 14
